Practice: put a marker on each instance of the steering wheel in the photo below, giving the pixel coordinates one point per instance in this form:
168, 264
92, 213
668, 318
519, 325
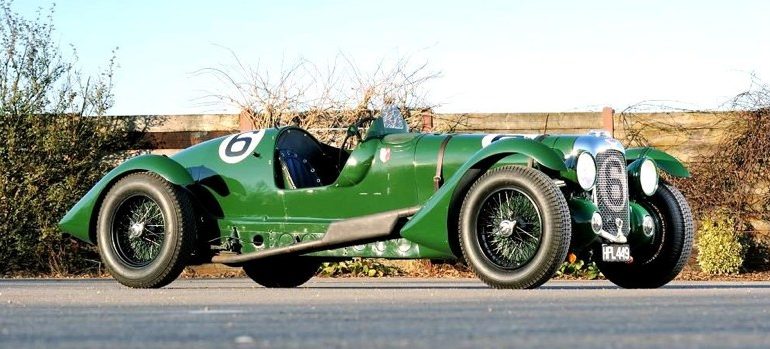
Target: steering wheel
353, 130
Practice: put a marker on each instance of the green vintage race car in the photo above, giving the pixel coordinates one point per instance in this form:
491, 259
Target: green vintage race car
277, 202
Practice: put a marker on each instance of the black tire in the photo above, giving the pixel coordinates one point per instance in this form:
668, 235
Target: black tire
282, 272
659, 263
498, 256
139, 254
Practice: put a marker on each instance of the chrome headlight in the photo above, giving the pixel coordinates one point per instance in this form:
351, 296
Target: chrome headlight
648, 177
586, 171
596, 222
648, 226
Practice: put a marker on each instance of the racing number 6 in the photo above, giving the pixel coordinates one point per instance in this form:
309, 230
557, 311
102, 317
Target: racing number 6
232, 151
235, 148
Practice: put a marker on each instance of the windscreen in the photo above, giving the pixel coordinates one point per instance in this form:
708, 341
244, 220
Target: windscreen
389, 121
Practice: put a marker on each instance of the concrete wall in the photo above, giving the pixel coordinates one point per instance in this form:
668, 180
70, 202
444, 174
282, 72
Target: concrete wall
686, 135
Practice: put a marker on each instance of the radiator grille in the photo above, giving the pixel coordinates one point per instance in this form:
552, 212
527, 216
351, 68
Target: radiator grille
612, 190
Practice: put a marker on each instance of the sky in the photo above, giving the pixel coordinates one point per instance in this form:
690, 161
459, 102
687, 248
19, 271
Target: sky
493, 56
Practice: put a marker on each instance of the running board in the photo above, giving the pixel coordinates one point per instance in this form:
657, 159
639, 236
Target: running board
344, 233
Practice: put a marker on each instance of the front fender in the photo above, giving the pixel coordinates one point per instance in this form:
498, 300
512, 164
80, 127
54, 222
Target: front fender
429, 226
81, 218
665, 161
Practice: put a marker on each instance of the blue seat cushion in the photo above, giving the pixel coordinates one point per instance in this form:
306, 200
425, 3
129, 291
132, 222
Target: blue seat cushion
300, 170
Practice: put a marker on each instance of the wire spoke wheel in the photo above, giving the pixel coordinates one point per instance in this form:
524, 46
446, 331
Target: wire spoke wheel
514, 227
510, 228
138, 231
146, 230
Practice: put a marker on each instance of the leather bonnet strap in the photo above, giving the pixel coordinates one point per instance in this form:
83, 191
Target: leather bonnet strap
438, 179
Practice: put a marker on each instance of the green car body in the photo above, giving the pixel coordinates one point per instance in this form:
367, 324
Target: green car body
247, 204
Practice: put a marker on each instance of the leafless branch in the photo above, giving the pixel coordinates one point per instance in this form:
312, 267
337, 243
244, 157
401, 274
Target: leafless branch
326, 97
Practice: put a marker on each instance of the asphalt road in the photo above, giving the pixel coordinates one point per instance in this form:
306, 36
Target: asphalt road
368, 313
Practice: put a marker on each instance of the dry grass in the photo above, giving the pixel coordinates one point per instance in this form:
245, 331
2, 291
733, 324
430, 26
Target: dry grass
427, 268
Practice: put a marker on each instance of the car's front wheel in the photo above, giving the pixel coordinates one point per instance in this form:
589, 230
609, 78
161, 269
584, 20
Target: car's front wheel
145, 230
656, 264
514, 227
282, 272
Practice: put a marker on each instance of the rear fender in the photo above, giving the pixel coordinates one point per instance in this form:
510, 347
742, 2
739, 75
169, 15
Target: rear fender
80, 220
430, 226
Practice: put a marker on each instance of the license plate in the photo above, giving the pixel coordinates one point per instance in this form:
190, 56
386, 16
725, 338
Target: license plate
616, 253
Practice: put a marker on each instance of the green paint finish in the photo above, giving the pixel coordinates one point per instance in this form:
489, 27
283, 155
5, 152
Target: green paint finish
238, 182
636, 236
563, 146
378, 176
665, 161
581, 211
359, 163
563, 143
244, 190
387, 184
429, 226
633, 169
459, 149
274, 234
81, 218
391, 249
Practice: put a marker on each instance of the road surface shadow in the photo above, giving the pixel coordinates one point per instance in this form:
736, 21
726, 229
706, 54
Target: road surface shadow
748, 284
481, 287
377, 284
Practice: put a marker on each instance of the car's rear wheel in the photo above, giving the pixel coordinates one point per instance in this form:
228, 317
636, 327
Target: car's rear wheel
145, 230
514, 227
282, 272
660, 262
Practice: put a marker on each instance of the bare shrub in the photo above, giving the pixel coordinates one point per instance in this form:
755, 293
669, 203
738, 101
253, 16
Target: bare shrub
323, 99
731, 177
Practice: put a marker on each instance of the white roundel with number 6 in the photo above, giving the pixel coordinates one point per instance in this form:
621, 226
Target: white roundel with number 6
235, 148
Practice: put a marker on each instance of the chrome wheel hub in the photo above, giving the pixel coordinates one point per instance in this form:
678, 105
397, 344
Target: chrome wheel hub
507, 227
136, 230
